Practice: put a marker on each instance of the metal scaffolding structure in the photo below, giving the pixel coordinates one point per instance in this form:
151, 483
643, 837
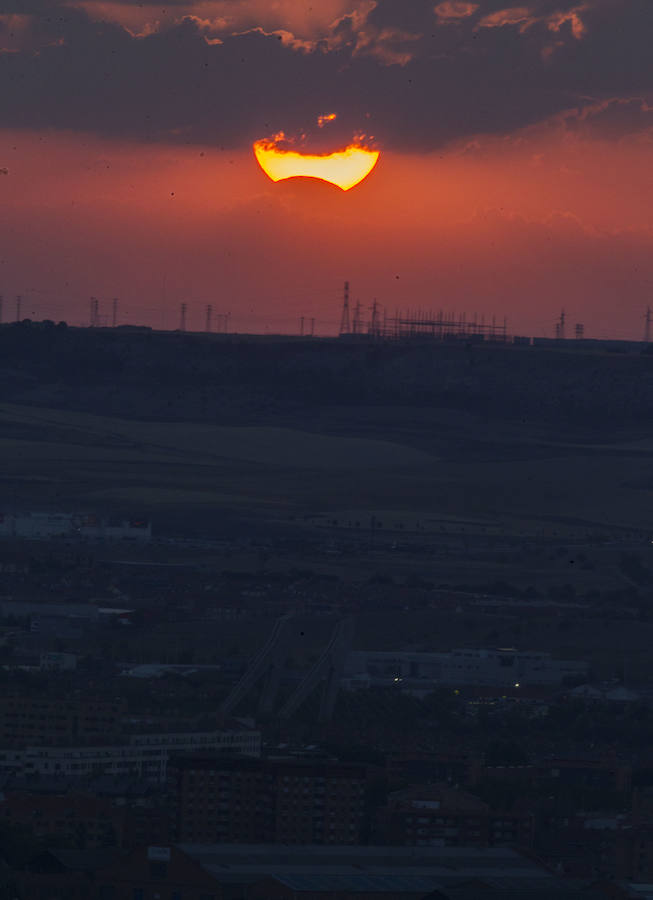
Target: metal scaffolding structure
437, 325
418, 323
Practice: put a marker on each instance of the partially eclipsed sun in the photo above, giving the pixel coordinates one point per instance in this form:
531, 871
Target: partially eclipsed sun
344, 168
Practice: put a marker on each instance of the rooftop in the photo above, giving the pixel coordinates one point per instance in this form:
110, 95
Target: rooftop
446, 866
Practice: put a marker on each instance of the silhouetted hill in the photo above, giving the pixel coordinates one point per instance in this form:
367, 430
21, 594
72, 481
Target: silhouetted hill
233, 379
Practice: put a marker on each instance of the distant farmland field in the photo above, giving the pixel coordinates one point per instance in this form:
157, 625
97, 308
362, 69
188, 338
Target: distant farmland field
442, 476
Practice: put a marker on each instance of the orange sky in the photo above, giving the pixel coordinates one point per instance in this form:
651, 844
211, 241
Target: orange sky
516, 227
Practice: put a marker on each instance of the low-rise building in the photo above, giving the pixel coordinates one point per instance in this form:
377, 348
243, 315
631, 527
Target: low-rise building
233, 872
88, 814
500, 667
37, 719
439, 815
57, 662
341, 873
147, 872
141, 756
346, 887
594, 770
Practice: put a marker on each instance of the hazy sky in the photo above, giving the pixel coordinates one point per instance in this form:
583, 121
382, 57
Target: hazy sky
515, 174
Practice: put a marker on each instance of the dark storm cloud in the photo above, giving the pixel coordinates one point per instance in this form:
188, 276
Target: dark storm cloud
614, 118
414, 77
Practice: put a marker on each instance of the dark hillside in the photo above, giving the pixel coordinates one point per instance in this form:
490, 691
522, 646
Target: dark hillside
237, 380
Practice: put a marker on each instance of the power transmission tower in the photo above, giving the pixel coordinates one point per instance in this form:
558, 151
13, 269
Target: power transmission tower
374, 322
560, 326
182, 317
345, 327
209, 317
114, 312
357, 324
19, 300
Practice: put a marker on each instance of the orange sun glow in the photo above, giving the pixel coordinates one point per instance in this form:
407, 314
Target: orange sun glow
344, 168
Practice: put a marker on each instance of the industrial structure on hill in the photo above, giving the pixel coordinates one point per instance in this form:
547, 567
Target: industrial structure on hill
416, 323
370, 321
447, 326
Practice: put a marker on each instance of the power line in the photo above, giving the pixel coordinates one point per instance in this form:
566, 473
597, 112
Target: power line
345, 326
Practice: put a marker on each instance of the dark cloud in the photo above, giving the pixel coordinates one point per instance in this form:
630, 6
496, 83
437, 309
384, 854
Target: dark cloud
612, 119
413, 78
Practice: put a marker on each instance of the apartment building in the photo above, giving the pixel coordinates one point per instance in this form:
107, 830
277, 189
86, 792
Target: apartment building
441, 816
38, 719
290, 801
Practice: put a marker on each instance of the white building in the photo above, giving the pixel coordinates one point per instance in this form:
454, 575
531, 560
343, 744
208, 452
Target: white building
505, 666
44, 526
144, 756
58, 662
378, 667
28, 608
